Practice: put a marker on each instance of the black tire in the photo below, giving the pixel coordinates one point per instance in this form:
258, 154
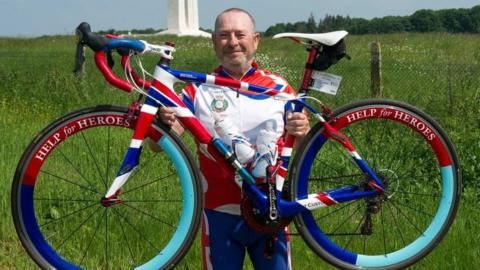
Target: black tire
418, 164
65, 171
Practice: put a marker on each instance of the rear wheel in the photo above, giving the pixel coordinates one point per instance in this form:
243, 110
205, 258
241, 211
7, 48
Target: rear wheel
66, 170
418, 165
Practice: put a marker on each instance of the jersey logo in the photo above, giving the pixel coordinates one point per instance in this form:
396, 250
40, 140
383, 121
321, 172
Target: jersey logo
219, 103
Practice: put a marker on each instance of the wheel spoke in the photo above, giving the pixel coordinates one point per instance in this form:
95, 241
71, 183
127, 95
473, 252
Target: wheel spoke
64, 200
396, 223
394, 154
149, 215
146, 184
369, 143
343, 222
414, 209
106, 238
407, 218
94, 159
377, 152
383, 232
355, 232
127, 244
108, 157
55, 220
338, 170
77, 170
412, 174
343, 151
93, 237
135, 229
335, 179
76, 230
151, 201
336, 210
417, 193
70, 182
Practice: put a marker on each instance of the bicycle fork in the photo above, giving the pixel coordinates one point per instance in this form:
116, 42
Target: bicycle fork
160, 93
130, 162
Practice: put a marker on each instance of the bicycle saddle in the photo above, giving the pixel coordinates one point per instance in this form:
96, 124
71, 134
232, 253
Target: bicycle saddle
328, 39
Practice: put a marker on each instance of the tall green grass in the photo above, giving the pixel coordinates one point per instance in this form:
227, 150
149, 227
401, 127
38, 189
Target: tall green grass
437, 72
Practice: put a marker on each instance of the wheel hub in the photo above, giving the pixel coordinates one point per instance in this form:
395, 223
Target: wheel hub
374, 204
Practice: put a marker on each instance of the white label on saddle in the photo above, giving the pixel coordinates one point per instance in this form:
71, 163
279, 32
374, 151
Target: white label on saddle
325, 82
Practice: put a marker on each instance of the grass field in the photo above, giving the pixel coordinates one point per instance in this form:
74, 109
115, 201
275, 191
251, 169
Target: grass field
439, 73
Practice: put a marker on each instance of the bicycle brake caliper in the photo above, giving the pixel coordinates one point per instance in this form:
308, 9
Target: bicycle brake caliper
133, 110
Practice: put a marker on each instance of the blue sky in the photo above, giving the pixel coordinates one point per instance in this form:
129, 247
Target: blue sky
36, 17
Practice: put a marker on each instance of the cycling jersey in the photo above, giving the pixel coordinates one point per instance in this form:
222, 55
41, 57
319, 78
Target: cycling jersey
225, 235
248, 112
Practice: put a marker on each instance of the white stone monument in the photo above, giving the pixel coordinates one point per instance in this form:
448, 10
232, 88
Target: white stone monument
183, 19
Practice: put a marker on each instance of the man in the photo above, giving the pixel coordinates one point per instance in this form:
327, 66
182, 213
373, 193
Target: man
225, 235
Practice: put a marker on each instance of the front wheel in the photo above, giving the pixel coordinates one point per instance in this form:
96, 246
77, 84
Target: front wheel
62, 176
416, 162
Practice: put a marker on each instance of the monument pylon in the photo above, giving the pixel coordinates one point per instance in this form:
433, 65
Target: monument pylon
183, 19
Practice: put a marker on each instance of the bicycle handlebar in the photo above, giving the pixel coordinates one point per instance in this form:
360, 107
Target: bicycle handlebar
104, 45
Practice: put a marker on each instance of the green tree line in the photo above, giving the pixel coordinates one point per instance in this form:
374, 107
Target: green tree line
446, 20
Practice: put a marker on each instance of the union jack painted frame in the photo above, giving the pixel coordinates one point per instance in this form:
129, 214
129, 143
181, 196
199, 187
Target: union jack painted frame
161, 93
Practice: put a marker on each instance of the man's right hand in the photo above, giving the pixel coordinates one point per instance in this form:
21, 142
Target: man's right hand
167, 116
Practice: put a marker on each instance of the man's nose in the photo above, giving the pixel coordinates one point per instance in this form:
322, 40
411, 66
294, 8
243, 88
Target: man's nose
232, 40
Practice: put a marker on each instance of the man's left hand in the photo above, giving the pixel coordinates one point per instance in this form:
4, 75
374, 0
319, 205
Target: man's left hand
297, 124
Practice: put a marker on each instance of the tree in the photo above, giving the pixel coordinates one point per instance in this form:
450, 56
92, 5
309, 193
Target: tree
449, 20
474, 14
277, 28
425, 20
300, 27
311, 24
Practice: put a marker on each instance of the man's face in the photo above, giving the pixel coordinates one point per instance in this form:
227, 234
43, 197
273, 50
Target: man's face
235, 41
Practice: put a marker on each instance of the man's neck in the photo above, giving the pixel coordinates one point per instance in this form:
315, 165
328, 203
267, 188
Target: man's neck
236, 75
237, 72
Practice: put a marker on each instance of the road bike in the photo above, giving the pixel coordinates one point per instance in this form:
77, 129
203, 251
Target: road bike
375, 184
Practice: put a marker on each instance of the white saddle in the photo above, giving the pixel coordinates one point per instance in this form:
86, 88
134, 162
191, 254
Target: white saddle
329, 39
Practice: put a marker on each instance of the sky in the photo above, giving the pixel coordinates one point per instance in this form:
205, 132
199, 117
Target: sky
30, 18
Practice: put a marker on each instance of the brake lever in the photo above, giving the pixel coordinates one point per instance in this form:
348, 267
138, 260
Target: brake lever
79, 59
110, 61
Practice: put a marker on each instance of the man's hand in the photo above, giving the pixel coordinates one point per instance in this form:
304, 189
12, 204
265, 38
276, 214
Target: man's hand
297, 124
167, 116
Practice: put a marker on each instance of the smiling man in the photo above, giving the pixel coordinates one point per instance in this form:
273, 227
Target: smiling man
226, 237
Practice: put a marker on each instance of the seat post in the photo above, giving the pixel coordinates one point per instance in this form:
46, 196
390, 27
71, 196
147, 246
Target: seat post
307, 73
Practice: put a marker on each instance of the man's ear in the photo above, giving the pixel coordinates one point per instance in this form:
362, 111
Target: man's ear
256, 38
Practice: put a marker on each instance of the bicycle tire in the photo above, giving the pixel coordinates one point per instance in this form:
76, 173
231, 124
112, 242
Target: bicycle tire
65, 171
423, 187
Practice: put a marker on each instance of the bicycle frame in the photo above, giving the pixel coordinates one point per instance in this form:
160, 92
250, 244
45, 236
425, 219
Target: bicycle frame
161, 93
